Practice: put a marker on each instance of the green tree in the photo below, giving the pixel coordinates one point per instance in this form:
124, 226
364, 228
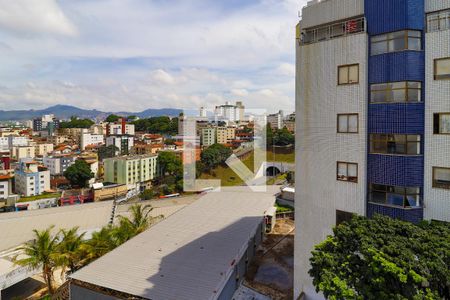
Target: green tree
147, 194
107, 151
170, 164
79, 173
269, 135
215, 155
68, 251
140, 218
161, 125
99, 244
75, 122
131, 118
40, 253
283, 137
112, 118
383, 258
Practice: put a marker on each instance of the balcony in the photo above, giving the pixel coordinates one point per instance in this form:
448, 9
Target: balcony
332, 31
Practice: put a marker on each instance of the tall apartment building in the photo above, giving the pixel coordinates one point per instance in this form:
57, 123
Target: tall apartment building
276, 120
225, 135
230, 112
131, 170
57, 165
43, 149
31, 178
373, 116
91, 139
120, 128
124, 143
208, 136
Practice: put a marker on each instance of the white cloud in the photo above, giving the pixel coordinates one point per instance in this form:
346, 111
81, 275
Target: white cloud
132, 55
35, 17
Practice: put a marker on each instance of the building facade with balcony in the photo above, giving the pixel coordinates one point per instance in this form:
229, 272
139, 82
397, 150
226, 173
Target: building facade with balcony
373, 132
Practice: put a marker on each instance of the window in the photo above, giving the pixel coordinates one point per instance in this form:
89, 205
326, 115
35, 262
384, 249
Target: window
441, 178
442, 68
438, 21
441, 123
343, 216
403, 144
396, 41
347, 171
395, 92
348, 74
394, 195
347, 123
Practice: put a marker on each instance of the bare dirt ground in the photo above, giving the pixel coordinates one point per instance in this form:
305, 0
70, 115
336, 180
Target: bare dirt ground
271, 272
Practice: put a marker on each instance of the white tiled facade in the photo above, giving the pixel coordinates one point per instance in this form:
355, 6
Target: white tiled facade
437, 100
318, 145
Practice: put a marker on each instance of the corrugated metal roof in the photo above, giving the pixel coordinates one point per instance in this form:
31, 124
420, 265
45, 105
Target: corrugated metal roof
187, 256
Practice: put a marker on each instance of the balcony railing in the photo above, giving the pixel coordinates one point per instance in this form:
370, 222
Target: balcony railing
332, 31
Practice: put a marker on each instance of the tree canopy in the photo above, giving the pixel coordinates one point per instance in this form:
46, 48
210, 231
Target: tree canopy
79, 173
170, 164
75, 122
112, 118
162, 125
383, 258
215, 155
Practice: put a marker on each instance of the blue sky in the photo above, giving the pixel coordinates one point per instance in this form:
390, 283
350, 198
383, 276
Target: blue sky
136, 54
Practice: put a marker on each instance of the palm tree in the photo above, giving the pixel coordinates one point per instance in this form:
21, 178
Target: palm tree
40, 253
140, 217
68, 254
100, 243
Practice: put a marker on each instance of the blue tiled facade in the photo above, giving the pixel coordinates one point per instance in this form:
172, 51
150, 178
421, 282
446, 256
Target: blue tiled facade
414, 215
384, 16
396, 170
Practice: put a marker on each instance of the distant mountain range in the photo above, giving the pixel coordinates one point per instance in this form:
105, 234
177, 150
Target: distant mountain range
66, 111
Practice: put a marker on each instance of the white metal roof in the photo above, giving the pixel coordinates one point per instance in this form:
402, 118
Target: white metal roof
190, 255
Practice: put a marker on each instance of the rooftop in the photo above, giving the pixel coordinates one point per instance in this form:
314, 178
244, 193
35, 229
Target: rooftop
190, 255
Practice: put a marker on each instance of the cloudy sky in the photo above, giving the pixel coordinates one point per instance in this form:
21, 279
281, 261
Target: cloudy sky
132, 55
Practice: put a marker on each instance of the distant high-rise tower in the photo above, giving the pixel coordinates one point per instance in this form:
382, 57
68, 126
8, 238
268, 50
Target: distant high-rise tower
373, 125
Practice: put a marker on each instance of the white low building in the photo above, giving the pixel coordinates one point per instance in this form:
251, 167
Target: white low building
31, 178
91, 139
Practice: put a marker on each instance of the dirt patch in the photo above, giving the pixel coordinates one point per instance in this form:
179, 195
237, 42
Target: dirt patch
271, 271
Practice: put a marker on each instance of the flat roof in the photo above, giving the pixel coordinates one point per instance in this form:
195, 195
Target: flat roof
189, 255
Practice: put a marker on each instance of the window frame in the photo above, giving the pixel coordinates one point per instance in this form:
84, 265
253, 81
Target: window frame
388, 38
440, 77
347, 165
387, 192
385, 141
348, 122
438, 16
389, 90
436, 185
348, 74
438, 115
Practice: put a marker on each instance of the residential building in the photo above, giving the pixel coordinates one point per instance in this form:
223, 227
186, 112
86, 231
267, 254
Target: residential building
19, 152
57, 139
142, 148
131, 170
5, 162
31, 178
98, 128
289, 122
5, 186
225, 135
366, 141
91, 139
43, 149
45, 122
208, 136
4, 143
58, 164
276, 120
124, 143
120, 128
230, 112
17, 141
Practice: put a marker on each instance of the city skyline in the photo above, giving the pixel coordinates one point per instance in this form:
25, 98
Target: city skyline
154, 54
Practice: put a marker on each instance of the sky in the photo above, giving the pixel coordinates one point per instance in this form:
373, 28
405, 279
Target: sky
130, 55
